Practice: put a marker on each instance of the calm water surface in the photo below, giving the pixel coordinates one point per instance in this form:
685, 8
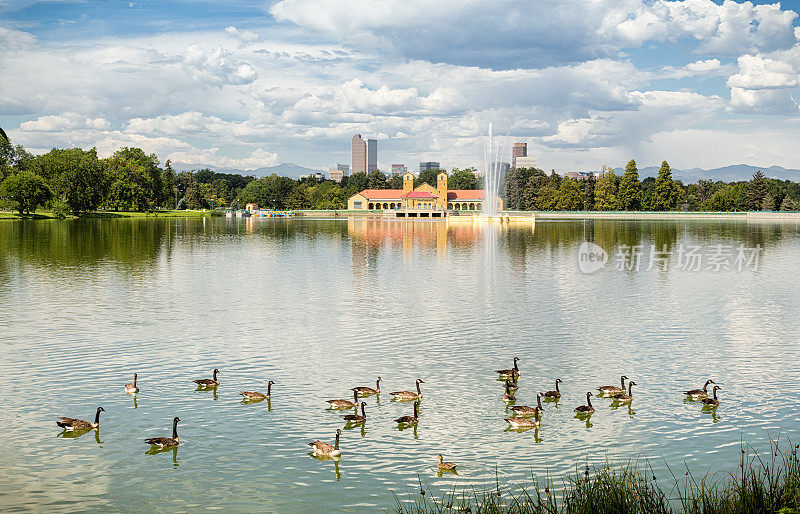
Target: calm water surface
323, 306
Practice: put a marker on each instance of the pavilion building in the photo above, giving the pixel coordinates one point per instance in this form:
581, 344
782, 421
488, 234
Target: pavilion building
423, 197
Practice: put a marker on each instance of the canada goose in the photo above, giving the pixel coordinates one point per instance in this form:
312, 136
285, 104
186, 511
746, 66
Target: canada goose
526, 422
79, 424
445, 466
208, 382
508, 397
131, 388
356, 418
712, 402
524, 410
409, 420
556, 393
366, 391
609, 390
699, 394
321, 448
510, 373
344, 404
625, 398
255, 395
163, 442
409, 395
586, 409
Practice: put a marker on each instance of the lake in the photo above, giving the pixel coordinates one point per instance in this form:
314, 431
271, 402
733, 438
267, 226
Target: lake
320, 306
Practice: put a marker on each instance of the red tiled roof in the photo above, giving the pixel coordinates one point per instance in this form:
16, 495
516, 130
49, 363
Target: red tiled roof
420, 195
465, 194
383, 194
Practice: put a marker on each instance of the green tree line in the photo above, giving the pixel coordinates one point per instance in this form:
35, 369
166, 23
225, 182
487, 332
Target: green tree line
531, 189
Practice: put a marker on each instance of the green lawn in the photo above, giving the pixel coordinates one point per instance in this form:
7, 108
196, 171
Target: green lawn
108, 214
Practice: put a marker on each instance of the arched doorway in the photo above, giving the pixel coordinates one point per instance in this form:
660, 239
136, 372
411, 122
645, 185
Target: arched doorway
371, 206
472, 206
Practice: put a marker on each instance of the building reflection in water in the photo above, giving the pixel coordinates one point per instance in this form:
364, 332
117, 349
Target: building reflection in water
369, 237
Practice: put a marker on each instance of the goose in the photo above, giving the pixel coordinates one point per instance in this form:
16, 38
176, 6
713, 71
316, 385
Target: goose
524, 410
712, 402
699, 394
556, 393
625, 398
409, 395
131, 388
526, 422
445, 466
163, 442
509, 373
356, 418
321, 448
79, 424
344, 404
255, 395
208, 382
508, 397
366, 391
609, 390
409, 420
586, 409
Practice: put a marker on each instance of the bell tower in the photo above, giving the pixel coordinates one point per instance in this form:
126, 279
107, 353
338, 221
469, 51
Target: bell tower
408, 182
441, 190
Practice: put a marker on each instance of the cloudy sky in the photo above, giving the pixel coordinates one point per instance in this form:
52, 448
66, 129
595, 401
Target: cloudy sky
246, 83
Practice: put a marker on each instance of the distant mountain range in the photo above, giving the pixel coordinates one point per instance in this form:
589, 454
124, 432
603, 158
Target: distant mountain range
731, 173
285, 169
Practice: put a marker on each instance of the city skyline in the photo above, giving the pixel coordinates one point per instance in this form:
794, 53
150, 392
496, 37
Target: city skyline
698, 83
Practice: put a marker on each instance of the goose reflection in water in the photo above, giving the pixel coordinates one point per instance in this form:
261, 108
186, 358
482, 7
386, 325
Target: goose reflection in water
154, 450
212, 390
335, 460
74, 434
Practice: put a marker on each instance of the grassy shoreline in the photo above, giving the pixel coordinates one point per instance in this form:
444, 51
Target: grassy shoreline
46, 215
761, 483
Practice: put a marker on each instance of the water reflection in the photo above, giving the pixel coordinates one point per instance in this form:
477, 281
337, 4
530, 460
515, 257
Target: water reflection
320, 305
154, 450
325, 458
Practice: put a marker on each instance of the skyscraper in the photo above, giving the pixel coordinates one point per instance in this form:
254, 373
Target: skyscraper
428, 165
519, 150
359, 164
372, 155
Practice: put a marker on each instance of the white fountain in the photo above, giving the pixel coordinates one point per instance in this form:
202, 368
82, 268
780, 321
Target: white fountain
493, 153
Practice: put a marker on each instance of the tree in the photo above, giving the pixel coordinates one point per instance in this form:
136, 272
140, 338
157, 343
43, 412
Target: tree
629, 196
665, 194
570, 196
12, 158
756, 191
789, 204
768, 204
74, 176
357, 182
533, 186
588, 192
377, 180
605, 192
299, 198
462, 179
427, 177
170, 193
396, 182
135, 180
547, 199
27, 190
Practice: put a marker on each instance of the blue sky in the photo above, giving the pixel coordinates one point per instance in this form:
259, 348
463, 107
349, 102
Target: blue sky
246, 84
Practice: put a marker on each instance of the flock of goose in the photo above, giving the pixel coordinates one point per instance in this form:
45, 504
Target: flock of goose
523, 413
524, 418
